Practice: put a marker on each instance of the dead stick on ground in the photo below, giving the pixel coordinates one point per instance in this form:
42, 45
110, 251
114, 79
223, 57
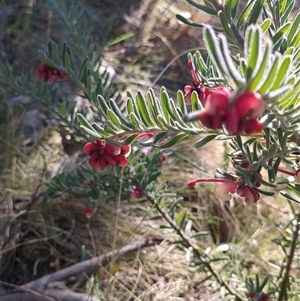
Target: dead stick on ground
88, 266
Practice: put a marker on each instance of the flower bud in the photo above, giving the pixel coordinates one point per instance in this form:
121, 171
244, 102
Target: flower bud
250, 105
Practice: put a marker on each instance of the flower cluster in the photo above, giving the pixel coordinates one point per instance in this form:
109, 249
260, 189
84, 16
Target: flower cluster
49, 74
103, 154
237, 114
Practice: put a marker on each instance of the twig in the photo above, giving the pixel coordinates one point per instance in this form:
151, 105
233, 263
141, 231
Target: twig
290, 258
49, 284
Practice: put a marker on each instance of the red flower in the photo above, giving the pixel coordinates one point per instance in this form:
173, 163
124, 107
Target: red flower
137, 192
225, 188
103, 154
250, 105
163, 159
250, 195
49, 74
237, 117
259, 297
198, 86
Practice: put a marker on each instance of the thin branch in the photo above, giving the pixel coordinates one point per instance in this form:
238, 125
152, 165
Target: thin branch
50, 285
196, 250
290, 258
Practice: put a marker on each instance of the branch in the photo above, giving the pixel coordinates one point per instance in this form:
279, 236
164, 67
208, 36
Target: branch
290, 258
195, 249
51, 286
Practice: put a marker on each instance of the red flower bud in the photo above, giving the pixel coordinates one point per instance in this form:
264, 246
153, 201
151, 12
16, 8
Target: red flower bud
250, 195
206, 119
218, 101
252, 126
250, 105
137, 192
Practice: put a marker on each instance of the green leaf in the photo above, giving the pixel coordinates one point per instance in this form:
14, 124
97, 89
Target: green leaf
120, 115
202, 141
226, 26
195, 102
259, 72
100, 129
268, 193
294, 29
227, 9
181, 102
186, 129
253, 50
83, 121
134, 119
164, 105
180, 219
270, 76
130, 106
245, 13
91, 132
143, 110
287, 10
154, 140
232, 71
290, 197
265, 25
129, 139
103, 105
255, 12
204, 8
280, 32
154, 107
283, 70
234, 7
173, 141
213, 48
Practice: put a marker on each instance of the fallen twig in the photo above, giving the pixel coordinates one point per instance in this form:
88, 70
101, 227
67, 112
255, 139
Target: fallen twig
51, 286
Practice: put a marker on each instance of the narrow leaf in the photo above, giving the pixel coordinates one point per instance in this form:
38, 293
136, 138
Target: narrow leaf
204, 8
270, 76
260, 71
83, 121
143, 110
181, 102
91, 132
245, 13
176, 139
254, 49
202, 141
103, 105
284, 67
